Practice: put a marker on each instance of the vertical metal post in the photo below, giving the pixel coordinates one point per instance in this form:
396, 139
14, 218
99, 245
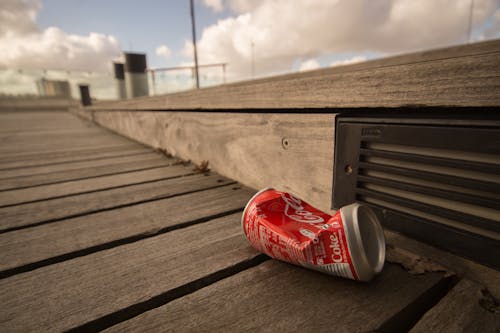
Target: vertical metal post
193, 25
153, 81
253, 60
469, 30
224, 73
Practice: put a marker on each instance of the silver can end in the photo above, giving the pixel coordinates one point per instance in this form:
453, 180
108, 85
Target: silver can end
366, 240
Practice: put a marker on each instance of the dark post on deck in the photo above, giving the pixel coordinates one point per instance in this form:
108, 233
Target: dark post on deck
119, 69
85, 94
136, 80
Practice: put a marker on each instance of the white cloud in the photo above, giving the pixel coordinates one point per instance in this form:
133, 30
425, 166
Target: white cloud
163, 51
215, 5
353, 60
187, 49
244, 6
492, 31
309, 65
24, 45
283, 31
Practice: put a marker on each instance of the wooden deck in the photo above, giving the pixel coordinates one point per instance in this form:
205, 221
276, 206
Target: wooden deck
100, 233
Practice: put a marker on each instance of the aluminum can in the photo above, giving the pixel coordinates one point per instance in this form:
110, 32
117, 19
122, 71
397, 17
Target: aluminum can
349, 244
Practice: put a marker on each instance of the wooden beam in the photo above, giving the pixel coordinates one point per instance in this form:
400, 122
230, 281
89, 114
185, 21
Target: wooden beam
115, 166
31, 160
72, 293
9, 104
292, 152
467, 75
463, 267
83, 204
279, 297
57, 190
31, 246
468, 307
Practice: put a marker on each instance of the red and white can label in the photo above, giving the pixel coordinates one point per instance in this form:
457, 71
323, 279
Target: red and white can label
289, 229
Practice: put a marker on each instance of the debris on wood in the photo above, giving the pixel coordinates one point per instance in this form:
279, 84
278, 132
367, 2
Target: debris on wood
488, 302
202, 167
163, 151
182, 162
412, 262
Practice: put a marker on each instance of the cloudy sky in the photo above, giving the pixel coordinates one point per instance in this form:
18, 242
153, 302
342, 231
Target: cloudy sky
279, 35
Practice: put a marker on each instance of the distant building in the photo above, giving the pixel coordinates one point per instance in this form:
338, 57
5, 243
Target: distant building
57, 88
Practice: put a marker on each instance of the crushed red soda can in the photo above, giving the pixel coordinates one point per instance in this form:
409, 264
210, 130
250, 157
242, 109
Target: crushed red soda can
349, 244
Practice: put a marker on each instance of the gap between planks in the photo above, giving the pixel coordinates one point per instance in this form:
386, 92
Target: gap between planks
38, 246
89, 185
125, 153
81, 174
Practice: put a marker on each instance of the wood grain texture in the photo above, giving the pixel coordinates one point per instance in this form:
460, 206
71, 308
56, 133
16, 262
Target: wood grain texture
91, 137
39, 121
68, 294
99, 183
467, 308
87, 142
40, 104
20, 136
467, 75
33, 244
60, 208
72, 156
292, 152
465, 268
113, 167
90, 163
278, 297
63, 155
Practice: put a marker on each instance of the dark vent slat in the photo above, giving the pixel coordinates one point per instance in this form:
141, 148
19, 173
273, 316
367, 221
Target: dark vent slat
432, 177
436, 136
471, 199
468, 165
463, 218
436, 177
468, 244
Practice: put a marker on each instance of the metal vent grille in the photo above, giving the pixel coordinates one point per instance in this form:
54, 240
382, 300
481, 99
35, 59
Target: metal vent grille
437, 183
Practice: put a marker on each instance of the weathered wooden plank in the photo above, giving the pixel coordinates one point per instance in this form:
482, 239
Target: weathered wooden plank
60, 208
71, 293
293, 152
14, 115
88, 142
471, 270
277, 297
459, 76
467, 308
113, 167
92, 163
34, 121
40, 104
72, 156
38, 193
23, 142
62, 155
20, 136
30, 245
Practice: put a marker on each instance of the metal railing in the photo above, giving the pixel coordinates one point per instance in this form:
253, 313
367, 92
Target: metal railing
172, 79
